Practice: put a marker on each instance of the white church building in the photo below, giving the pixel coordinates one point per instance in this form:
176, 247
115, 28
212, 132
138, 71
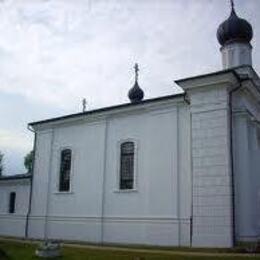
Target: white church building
177, 170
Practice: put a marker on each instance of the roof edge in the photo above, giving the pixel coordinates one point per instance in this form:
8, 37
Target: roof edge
219, 72
105, 109
15, 177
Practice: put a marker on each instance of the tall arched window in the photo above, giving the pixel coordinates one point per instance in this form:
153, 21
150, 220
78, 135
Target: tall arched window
127, 165
65, 169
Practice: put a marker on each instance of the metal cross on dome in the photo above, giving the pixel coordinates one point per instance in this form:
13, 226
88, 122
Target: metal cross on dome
232, 4
84, 104
136, 67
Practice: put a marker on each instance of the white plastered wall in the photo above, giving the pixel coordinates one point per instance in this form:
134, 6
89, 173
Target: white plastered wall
246, 143
13, 224
211, 166
157, 212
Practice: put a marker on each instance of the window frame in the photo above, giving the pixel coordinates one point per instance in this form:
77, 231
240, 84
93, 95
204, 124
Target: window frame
118, 175
58, 191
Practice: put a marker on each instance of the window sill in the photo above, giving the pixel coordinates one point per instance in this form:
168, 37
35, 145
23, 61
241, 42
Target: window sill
64, 192
125, 191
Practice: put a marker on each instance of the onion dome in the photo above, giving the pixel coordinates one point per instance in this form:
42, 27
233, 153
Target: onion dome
234, 29
136, 94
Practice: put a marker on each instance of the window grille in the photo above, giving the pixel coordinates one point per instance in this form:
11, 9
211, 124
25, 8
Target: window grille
65, 169
127, 165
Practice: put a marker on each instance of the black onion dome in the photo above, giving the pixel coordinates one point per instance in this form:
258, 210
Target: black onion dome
135, 94
234, 29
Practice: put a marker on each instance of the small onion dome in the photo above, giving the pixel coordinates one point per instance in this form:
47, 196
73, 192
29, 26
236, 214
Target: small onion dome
135, 94
234, 29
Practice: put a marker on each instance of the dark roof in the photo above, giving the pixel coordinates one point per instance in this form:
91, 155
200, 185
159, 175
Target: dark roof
15, 177
234, 29
105, 109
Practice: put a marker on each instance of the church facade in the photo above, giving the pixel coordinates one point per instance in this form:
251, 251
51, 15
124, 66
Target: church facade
177, 170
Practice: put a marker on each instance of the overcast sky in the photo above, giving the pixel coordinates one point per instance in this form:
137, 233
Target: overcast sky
55, 52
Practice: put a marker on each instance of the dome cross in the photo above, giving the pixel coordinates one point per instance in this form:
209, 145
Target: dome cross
136, 67
232, 4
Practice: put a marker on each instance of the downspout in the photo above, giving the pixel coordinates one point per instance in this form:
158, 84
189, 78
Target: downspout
103, 184
187, 101
31, 183
178, 178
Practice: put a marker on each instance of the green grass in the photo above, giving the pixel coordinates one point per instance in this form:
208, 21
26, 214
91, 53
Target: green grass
10, 250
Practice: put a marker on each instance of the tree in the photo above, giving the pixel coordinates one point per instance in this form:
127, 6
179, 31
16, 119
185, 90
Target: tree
1, 163
28, 162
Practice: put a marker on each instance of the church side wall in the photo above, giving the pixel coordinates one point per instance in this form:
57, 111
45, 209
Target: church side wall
73, 215
13, 224
158, 210
212, 208
76, 215
246, 143
247, 178
149, 214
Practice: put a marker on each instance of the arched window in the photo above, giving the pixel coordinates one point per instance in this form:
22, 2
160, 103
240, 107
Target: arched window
65, 169
127, 165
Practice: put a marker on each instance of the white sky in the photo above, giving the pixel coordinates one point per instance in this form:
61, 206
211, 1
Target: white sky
55, 52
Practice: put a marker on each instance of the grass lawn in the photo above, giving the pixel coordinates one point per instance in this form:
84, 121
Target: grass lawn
10, 250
